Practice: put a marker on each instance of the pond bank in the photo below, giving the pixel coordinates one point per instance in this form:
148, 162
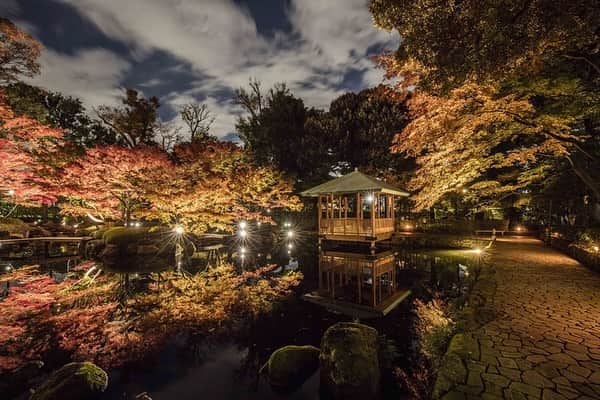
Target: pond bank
532, 330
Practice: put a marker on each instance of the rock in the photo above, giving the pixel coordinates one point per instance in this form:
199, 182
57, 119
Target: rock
94, 247
73, 381
349, 361
110, 251
17, 381
290, 366
144, 249
131, 249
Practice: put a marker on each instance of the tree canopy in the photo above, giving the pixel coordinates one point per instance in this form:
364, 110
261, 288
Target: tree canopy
356, 132
135, 121
494, 86
18, 53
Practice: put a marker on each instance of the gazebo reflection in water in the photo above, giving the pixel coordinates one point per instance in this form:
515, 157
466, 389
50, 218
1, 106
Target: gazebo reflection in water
360, 278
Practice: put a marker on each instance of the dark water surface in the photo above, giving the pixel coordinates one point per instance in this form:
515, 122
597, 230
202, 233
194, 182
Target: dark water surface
228, 369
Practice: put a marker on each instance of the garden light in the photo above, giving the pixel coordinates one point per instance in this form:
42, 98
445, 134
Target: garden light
178, 230
596, 248
243, 233
243, 225
290, 246
478, 251
11, 192
290, 234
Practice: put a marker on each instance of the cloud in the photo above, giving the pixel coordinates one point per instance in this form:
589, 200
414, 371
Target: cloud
93, 75
219, 41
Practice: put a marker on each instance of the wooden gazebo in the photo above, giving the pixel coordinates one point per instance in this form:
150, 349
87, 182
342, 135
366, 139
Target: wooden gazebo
355, 207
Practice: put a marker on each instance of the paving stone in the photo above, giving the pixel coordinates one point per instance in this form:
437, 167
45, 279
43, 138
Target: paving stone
578, 356
512, 374
547, 370
535, 379
584, 372
562, 357
468, 389
454, 395
499, 380
535, 330
536, 359
492, 369
548, 394
568, 392
514, 395
526, 389
572, 377
595, 378
585, 389
490, 396
507, 362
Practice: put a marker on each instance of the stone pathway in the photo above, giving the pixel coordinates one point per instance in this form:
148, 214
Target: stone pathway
537, 329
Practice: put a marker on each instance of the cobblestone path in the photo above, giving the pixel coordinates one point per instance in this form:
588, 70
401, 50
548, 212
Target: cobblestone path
537, 329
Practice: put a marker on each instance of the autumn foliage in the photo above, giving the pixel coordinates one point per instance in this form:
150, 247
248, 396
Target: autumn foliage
85, 320
201, 184
26, 148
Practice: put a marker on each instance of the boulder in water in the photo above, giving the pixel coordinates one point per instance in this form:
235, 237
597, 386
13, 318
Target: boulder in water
349, 361
74, 381
290, 366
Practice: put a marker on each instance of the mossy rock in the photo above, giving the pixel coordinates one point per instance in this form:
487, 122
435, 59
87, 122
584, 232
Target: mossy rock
349, 361
452, 371
122, 236
73, 381
290, 366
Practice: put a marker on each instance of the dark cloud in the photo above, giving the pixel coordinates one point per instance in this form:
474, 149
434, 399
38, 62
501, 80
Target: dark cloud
203, 50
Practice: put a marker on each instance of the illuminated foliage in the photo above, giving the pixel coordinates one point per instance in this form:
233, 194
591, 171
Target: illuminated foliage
27, 150
503, 94
84, 319
215, 184
114, 181
18, 52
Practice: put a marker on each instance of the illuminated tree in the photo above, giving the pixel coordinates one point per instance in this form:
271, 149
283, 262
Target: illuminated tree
496, 86
27, 153
114, 181
18, 53
215, 184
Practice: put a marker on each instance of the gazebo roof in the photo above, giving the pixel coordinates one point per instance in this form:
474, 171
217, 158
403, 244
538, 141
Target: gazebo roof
352, 183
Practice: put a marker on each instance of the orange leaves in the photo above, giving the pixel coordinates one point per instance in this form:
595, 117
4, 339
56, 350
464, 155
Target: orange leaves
456, 139
18, 52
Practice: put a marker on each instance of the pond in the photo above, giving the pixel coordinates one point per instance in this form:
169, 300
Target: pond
228, 368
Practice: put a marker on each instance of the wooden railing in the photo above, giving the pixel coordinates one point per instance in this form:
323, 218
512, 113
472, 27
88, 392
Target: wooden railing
356, 226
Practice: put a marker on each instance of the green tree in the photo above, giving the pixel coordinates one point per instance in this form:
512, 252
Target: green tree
281, 131
59, 111
135, 122
364, 125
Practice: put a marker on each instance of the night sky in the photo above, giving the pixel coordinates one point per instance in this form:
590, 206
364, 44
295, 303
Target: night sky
203, 49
